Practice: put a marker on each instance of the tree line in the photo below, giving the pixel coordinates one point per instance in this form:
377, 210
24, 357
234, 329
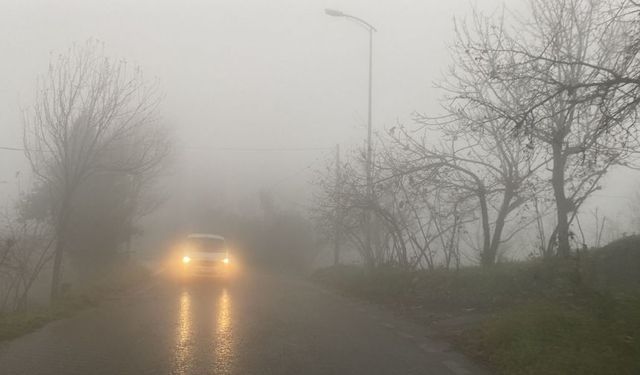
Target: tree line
537, 109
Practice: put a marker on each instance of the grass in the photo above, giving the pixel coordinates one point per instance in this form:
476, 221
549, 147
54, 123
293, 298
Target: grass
547, 337
576, 316
16, 324
481, 288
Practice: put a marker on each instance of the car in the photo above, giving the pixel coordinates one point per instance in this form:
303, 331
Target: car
206, 255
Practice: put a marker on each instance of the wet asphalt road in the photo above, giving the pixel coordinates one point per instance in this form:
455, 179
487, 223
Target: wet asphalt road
257, 324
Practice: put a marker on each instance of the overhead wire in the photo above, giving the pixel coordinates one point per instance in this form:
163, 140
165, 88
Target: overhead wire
298, 172
240, 149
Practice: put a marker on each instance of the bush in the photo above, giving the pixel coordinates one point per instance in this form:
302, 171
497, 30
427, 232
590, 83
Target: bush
485, 288
383, 284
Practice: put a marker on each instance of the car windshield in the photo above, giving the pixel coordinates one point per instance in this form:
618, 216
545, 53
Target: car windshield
207, 245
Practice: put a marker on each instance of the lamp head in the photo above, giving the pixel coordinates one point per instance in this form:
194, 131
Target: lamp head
333, 13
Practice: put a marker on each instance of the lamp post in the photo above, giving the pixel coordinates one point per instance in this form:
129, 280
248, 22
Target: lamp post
368, 167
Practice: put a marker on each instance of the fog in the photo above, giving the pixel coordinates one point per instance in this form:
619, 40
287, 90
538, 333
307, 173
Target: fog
239, 77
501, 195
257, 93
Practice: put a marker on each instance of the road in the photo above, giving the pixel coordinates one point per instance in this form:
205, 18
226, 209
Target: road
256, 324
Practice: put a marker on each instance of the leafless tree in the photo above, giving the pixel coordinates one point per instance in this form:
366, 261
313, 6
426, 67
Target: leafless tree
346, 203
346, 199
552, 93
24, 253
562, 81
415, 224
480, 165
88, 109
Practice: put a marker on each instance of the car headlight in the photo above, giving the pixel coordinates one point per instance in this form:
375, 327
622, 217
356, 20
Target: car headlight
186, 259
225, 261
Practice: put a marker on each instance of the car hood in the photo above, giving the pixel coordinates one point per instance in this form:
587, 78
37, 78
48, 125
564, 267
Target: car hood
207, 256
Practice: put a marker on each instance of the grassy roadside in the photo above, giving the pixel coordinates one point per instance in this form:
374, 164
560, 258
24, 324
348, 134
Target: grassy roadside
549, 337
565, 317
16, 324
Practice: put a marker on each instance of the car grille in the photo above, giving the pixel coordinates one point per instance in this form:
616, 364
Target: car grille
208, 263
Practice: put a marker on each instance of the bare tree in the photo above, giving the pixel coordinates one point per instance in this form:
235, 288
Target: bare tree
546, 77
480, 165
349, 200
88, 108
24, 252
416, 225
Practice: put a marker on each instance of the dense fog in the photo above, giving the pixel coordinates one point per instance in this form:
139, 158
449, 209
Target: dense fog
452, 161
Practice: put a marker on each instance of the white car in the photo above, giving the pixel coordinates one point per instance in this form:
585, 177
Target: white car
205, 254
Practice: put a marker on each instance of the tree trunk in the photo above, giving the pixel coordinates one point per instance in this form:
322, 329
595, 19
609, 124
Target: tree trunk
490, 256
57, 270
485, 258
61, 232
562, 205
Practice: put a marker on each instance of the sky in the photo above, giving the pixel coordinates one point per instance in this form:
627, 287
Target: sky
241, 76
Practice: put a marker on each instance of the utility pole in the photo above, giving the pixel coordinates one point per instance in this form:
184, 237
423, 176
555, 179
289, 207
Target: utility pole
338, 213
369, 162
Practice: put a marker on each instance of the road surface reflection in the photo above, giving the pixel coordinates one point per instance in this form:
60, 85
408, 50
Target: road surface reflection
204, 334
184, 344
224, 334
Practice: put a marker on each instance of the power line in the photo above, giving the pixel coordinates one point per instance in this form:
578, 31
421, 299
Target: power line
258, 149
238, 149
241, 149
298, 172
7, 148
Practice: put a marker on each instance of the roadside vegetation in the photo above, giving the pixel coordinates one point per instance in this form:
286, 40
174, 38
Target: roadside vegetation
74, 300
96, 150
579, 315
597, 336
18, 323
484, 211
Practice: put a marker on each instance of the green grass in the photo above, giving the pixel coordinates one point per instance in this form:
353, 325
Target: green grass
382, 285
16, 324
482, 288
13, 325
572, 316
547, 337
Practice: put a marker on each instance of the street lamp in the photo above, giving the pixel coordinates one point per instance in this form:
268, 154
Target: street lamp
368, 161
334, 13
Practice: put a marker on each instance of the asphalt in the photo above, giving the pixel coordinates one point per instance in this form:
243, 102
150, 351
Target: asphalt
257, 323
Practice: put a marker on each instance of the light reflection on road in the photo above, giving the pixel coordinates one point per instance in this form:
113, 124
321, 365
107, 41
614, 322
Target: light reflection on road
204, 321
184, 344
223, 351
